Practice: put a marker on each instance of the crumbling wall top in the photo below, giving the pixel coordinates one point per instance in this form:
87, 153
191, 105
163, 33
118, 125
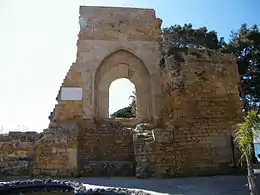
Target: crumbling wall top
19, 135
113, 23
94, 9
203, 54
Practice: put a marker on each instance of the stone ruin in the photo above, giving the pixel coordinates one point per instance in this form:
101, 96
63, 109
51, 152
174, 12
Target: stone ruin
187, 105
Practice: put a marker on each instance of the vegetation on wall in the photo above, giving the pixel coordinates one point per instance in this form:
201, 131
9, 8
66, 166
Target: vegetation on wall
185, 36
244, 44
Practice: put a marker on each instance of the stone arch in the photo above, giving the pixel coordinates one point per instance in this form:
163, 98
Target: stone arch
122, 64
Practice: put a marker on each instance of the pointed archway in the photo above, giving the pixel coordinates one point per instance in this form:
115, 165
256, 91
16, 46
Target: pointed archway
123, 64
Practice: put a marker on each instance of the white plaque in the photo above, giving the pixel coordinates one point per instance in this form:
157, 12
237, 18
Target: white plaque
71, 93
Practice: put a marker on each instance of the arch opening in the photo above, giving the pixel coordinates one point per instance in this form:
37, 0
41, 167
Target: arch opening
122, 99
118, 65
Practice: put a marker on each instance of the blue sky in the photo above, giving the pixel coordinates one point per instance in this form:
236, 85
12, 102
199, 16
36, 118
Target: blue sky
38, 44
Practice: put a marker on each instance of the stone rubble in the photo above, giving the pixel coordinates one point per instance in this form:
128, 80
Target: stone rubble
144, 145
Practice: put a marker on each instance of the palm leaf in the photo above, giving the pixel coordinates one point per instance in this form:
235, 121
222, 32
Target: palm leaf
245, 132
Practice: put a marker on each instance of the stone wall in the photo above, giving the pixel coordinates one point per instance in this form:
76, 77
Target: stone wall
118, 42
192, 136
17, 153
202, 104
57, 151
190, 100
68, 110
144, 150
106, 149
85, 148
113, 23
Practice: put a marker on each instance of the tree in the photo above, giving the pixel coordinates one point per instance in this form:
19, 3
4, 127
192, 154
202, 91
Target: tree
178, 37
245, 46
129, 111
244, 136
133, 103
185, 36
123, 113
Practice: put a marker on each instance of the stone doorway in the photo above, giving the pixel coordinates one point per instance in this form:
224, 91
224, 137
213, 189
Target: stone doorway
107, 149
122, 64
111, 45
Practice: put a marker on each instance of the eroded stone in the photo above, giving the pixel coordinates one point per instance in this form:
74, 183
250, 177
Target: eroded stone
187, 105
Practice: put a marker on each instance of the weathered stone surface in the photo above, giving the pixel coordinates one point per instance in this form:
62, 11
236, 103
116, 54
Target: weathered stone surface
186, 106
144, 146
17, 153
106, 149
104, 23
56, 152
202, 104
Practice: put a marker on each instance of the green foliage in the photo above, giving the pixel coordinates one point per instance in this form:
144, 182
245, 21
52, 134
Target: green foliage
185, 36
127, 112
244, 136
133, 103
245, 133
123, 113
245, 46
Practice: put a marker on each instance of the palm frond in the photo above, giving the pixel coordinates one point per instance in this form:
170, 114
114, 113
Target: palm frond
245, 132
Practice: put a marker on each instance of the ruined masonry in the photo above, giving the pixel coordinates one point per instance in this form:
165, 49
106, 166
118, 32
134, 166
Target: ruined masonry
187, 105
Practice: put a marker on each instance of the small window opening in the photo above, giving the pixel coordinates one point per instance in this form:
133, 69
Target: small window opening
122, 99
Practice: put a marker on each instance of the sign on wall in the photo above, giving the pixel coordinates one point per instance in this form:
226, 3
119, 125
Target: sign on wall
71, 93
